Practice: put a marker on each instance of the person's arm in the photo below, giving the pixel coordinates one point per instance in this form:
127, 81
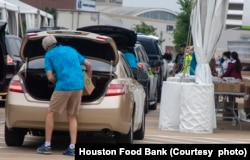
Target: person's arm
50, 76
88, 66
49, 70
176, 64
229, 70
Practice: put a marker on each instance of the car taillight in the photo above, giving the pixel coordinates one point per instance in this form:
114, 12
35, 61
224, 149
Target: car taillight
105, 38
115, 90
156, 69
31, 34
140, 66
9, 60
15, 86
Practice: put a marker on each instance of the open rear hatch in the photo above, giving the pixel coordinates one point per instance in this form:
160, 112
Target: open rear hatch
100, 50
122, 36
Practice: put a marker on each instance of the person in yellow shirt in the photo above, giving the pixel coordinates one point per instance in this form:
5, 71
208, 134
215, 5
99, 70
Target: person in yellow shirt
187, 59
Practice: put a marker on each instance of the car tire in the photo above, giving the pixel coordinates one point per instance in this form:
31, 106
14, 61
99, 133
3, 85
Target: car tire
14, 137
139, 134
159, 89
154, 106
126, 138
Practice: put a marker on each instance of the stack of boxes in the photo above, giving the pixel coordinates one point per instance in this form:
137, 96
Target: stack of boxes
229, 86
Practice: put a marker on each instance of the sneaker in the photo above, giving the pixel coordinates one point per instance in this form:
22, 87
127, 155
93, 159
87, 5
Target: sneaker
69, 152
44, 150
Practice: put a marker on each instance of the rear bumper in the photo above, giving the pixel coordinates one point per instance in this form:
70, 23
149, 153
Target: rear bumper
3, 95
91, 118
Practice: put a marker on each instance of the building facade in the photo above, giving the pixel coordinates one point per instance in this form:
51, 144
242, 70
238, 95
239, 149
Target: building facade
111, 12
67, 4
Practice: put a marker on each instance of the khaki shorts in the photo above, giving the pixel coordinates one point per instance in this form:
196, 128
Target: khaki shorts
62, 100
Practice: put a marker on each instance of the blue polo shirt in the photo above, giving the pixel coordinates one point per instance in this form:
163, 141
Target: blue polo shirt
65, 62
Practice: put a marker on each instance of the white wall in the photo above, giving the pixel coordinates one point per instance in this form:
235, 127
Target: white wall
73, 19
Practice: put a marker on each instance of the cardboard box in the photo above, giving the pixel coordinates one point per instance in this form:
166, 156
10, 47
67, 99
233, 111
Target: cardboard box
245, 73
88, 85
247, 102
246, 81
234, 87
218, 87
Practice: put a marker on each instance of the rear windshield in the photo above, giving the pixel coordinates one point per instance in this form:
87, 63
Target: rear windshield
13, 45
99, 66
150, 47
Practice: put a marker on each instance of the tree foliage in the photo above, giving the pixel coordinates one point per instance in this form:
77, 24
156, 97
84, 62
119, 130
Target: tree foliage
147, 30
182, 31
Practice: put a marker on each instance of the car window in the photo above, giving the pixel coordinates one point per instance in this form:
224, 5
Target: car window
159, 48
99, 66
138, 54
144, 54
126, 67
13, 45
149, 47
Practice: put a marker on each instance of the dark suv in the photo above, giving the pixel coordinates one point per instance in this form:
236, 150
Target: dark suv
150, 85
9, 59
154, 52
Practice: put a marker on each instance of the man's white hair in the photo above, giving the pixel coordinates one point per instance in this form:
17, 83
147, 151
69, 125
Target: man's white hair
48, 41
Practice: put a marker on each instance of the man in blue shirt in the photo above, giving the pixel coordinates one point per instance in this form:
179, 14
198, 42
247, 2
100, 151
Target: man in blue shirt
63, 67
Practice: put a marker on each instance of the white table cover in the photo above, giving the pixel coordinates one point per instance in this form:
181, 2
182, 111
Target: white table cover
170, 106
187, 107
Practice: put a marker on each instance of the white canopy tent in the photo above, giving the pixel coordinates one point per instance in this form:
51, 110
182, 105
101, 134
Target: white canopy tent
9, 14
34, 17
194, 109
207, 21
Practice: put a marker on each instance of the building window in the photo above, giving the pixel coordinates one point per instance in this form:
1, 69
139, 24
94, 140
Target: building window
159, 15
170, 28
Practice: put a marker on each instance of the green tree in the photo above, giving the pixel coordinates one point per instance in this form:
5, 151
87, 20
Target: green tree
182, 31
147, 30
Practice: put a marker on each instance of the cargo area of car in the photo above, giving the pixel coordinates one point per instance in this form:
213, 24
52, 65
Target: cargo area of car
40, 88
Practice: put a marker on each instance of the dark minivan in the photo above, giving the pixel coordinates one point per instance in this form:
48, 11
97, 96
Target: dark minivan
9, 58
154, 52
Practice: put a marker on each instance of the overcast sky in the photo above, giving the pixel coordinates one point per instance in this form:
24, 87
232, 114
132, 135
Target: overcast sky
169, 4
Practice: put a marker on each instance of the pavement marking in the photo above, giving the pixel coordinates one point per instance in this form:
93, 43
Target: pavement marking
146, 142
197, 139
194, 137
190, 140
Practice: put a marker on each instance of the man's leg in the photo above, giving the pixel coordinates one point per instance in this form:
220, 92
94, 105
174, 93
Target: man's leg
72, 128
70, 151
49, 126
73, 111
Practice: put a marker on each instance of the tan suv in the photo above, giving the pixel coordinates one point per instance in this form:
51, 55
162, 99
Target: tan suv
116, 105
